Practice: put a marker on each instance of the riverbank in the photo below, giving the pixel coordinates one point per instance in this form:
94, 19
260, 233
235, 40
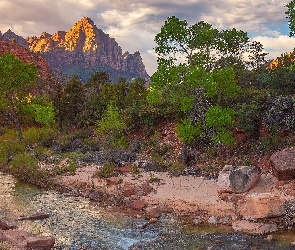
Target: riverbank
76, 223
150, 194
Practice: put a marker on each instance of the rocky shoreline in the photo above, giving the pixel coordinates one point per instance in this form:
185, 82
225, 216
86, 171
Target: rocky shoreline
260, 204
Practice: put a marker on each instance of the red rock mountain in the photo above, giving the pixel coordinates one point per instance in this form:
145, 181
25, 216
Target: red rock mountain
85, 49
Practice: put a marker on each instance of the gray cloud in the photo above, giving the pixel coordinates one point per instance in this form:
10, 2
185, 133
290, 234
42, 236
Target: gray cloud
134, 24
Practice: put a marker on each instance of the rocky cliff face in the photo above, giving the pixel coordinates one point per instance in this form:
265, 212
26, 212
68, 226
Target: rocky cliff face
84, 49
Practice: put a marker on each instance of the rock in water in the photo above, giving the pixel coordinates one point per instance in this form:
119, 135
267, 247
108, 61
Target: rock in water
283, 164
254, 228
238, 179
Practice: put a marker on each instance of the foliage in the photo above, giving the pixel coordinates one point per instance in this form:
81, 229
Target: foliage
44, 114
221, 120
74, 98
188, 132
291, 16
106, 170
16, 79
251, 111
24, 166
111, 126
111, 123
189, 79
280, 114
9, 146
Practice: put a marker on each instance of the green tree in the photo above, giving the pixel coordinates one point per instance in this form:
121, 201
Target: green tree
187, 79
74, 101
291, 16
16, 80
111, 126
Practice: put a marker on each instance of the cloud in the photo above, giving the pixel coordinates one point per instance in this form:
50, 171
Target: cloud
276, 46
134, 24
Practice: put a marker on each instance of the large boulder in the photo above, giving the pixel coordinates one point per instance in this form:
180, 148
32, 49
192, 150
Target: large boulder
261, 206
283, 164
238, 179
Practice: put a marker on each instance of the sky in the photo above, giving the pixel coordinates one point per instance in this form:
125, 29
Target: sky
134, 24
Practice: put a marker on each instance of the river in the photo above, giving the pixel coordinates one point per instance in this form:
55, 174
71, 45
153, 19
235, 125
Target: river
76, 223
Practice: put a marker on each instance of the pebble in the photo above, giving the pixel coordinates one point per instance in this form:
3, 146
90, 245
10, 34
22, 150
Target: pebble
269, 237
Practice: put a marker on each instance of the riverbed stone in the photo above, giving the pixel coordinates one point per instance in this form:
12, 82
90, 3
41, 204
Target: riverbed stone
40, 243
254, 228
25, 240
283, 164
113, 181
138, 205
36, 216
238, 179
261, 206
153, 212
4, 225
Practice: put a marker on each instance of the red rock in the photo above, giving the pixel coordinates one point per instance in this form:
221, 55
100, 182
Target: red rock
125, 169
25, 240
40, 243
113, 181
260, 206
86, 46
153, 212
3, 225
129, 191
283, 164
138, 205
254, 227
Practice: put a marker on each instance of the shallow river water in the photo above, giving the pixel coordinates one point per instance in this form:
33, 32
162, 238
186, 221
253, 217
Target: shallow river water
76, 224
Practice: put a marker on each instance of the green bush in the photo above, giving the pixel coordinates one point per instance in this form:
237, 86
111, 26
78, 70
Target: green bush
111, 127
189, 132
9, 146
31, 135
69, 167
24, 166
107, 170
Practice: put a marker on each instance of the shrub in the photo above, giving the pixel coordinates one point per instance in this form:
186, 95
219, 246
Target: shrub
221, 120
31, 135
106, 170
280, 114
68, 167
9, 146
112, 126
189, 132
25, 167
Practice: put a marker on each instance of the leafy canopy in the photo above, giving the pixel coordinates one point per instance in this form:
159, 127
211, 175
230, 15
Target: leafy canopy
189, 78
16, 80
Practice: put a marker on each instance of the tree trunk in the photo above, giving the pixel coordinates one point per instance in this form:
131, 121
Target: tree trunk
199, 108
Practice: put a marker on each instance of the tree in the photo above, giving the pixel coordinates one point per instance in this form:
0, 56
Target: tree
187, 79
74, 100
291, 16
16, 80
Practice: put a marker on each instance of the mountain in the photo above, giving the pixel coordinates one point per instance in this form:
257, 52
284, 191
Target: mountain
84, 49
11, 36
